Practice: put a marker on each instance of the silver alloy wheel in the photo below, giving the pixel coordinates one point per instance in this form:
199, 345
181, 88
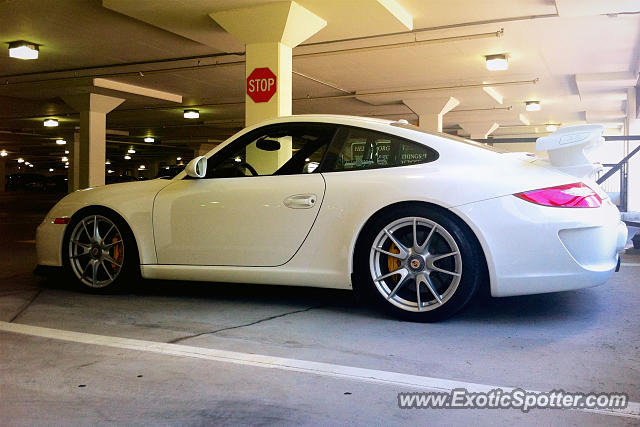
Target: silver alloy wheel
415, 264
96, 251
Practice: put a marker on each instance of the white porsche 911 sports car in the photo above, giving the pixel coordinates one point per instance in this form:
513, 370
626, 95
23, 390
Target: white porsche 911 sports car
415, 222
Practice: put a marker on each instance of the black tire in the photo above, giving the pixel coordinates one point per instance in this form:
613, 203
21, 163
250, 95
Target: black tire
115, 277
466, 270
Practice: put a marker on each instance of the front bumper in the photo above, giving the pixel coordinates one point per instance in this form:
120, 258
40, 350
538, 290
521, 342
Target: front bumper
49, 243
533, 249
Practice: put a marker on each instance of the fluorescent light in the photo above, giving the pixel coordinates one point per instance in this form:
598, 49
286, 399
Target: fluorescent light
50, 123
61, 141
50, 169
3, 153
127, 157
149, 139
552, 128
532, 105
178, 158
66, 167
21, 49
65, 159
27, 163
66, 151
108, 162
237, 159
497, 62
191, 114
20, 160
30, 165
131, 151
141, 167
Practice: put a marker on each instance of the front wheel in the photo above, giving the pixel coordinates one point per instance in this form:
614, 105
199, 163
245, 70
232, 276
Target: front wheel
100, 252
417, 263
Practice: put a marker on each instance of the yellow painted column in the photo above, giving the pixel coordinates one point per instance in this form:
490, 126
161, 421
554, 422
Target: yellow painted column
276, 57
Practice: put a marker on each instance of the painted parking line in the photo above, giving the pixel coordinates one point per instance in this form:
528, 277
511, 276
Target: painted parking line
305, 366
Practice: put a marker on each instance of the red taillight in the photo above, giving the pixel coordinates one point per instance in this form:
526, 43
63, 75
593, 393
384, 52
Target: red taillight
61, 220
577, 195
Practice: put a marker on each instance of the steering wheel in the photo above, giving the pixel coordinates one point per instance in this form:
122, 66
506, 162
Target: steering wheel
246, 166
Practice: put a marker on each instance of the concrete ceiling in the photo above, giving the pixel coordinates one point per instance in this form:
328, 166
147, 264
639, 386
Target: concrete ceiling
583, 55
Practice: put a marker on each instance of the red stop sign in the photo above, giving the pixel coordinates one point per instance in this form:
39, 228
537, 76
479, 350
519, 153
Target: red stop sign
261, 84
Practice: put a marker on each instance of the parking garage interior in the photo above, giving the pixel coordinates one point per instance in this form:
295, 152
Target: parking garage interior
96, 92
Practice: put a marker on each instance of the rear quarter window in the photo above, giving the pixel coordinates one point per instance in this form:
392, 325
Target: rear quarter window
360, 149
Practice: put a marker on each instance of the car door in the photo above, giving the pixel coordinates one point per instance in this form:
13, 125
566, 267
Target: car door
234, 218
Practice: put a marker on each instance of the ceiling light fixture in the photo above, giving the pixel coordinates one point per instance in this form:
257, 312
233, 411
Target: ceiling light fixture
149, 139
66, 167
142, 167
108, 162
65, 159
22, 49
191, 114
20, 160
178, 158
3, 153
109, 171
61, 141
532, 105
30, 165
66, 151
131, 151
50, 169
50, 123
552, 128
497, 62
127, 157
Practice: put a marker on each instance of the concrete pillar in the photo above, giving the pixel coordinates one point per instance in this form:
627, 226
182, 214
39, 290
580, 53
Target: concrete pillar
270, 31
633, 189
91, 153
153, 168
431, 110
73, 173
479, 130
203, 149
3, 172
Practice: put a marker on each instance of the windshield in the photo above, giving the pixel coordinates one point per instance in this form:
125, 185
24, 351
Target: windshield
448, 136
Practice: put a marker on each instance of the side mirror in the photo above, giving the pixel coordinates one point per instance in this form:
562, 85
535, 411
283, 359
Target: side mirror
265, 144
310, 167
197, 168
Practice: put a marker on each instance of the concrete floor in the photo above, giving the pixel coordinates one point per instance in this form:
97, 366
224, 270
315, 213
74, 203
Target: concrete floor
585, 340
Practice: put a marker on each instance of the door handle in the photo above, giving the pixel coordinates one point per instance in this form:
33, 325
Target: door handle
300, 201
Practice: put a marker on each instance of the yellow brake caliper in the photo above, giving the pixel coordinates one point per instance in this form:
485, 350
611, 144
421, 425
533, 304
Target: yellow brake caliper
393, 263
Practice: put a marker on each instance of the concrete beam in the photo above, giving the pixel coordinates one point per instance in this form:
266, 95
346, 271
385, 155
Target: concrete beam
431, 110
398, 12
136, 90
479, 130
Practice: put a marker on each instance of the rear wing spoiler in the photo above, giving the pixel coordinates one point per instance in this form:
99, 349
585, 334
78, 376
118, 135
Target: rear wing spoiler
568, 146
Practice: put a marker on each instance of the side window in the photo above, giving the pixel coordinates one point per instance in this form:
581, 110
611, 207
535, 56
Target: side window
283, 149
358, 149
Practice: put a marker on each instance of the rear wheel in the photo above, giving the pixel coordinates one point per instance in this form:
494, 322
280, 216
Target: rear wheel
100, 252
417, 263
